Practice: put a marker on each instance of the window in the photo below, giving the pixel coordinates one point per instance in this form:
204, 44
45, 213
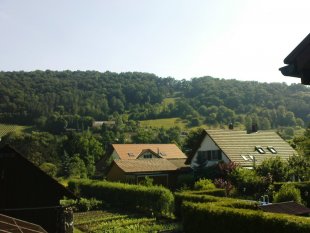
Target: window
147, 156
245, 157
260, 150
272, 149
248, 157
130, 154
210, 155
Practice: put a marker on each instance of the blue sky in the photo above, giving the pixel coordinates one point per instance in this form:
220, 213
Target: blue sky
244, 40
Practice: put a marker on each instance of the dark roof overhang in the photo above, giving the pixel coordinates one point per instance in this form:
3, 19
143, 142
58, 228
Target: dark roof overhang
298, 62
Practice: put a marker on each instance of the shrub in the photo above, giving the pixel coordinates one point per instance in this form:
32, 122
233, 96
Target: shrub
304, 188
274, 166
288, 193
248, 182
49, 168
206, 196
213, 218
204, 184
185, 180
153, 199
83, 204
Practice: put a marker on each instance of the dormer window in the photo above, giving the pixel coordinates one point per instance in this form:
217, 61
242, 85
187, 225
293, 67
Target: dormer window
147, 156
260, 150
272, 149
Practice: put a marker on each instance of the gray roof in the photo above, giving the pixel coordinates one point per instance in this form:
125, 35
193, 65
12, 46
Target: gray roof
236, 143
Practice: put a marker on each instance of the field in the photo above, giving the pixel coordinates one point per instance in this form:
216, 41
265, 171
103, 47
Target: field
103, 221
5, 129
165, 123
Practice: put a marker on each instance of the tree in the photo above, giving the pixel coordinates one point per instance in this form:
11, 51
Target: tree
49, 168
288, 192
299, 167
274, 166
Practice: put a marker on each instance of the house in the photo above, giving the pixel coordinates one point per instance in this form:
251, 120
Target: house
241, 147
161, 162
298, 62
29, 194
289, 207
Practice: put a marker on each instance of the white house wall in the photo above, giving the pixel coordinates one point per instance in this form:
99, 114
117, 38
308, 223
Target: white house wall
207, 145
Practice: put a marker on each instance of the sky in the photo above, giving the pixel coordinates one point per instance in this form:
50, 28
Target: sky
183, 39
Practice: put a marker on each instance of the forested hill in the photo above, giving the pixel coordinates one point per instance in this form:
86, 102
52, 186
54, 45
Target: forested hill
32, 97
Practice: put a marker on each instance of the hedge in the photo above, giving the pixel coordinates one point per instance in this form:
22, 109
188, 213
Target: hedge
200, 197
155, 199
304, 188
213, 218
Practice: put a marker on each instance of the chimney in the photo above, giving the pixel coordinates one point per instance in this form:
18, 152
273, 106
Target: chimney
254, 128
231, 126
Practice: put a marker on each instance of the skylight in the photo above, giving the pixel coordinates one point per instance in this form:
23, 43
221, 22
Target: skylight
260, 150
272, 149
245, 157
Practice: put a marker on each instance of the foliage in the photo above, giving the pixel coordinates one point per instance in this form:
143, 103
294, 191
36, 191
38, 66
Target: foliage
103, 221
224, 184
299, 167
156, 199
49, 169
248, 182
221, 218
83, 204
204, 184
274, 166
185, 181
288, 192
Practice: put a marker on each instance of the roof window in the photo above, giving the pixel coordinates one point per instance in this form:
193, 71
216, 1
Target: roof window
245, 157
260, 150
272, 149
130, 154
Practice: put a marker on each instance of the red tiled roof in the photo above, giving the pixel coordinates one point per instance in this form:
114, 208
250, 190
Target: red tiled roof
145, 165
167, 151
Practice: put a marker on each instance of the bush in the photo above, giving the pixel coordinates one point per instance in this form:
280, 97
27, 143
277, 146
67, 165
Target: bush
274, 166
154, 199
83, 204
204, 184
304, 188
212, 218
206, 196
288, 193
248, 182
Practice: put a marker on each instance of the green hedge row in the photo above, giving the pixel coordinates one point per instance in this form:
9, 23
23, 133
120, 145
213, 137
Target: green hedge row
155, 199
201, 197
304, 188
213, 218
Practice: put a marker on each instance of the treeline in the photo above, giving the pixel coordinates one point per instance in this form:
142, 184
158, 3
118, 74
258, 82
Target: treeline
55, 100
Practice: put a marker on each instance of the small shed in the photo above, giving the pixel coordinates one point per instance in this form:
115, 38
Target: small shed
289, 207
30, 194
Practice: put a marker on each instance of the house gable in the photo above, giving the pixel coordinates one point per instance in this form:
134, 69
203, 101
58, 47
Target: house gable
210, 151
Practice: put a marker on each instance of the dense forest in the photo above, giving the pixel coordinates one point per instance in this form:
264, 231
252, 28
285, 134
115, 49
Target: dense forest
76, 98
62, 106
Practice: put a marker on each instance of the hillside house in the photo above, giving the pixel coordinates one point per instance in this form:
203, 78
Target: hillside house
161, 162
29, 194
298, 62
245, 149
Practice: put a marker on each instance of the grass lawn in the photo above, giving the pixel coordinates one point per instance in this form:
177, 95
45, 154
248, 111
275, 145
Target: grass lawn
165, 123
5, 129
104, 221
